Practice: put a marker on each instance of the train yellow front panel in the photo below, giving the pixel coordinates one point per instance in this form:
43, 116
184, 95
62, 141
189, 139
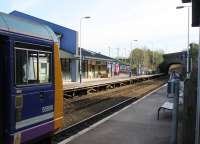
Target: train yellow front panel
58, 109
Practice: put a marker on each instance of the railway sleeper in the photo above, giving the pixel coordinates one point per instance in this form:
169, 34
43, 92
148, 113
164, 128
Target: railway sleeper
122, 84
92, 90
109, 87
66, 95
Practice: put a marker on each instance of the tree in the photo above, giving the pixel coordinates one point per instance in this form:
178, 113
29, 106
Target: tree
145, 59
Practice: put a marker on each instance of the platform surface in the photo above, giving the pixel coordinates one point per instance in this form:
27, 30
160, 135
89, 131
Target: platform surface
134, 125
93, 82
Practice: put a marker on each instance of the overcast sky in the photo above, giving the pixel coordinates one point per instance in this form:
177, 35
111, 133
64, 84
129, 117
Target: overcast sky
156, 24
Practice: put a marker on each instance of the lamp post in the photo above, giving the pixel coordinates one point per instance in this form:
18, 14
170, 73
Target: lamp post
188, 37
80, 64
131, 47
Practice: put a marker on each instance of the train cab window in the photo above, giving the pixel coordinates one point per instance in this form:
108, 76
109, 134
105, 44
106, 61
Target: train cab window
32, 66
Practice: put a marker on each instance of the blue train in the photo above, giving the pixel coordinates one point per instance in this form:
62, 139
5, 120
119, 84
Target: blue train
31, 99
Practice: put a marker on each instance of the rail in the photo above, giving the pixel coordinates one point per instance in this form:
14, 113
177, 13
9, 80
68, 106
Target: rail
69, 131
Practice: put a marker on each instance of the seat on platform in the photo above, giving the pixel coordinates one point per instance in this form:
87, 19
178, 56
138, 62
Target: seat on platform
167, 105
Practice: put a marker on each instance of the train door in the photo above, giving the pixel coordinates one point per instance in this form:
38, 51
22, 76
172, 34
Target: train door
33, 83
1, 100
2, 87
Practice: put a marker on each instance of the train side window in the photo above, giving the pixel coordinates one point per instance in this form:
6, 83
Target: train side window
21, 66
32, 67
44, 67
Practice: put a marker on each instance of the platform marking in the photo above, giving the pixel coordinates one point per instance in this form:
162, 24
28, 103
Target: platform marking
107, 118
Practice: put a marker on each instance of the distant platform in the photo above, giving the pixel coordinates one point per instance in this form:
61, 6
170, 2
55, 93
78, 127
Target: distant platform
102, 81
137, 124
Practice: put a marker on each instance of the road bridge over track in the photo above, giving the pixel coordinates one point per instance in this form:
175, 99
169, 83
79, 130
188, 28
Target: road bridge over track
173, 58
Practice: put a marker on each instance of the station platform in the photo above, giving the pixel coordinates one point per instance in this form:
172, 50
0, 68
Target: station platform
100, 81
135, 124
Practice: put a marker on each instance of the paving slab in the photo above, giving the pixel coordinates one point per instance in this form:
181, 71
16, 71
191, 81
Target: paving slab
137, 124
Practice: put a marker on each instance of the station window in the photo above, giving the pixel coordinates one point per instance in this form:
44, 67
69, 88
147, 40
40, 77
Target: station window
32, 66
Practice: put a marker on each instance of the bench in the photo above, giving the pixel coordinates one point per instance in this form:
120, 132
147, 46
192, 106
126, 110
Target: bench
167, 105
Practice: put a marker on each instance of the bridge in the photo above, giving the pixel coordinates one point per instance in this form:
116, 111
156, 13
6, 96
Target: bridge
173, 58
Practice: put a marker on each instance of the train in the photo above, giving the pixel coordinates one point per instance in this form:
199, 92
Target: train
31, 90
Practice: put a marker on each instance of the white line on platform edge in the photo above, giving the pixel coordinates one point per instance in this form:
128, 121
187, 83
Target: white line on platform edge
105, 119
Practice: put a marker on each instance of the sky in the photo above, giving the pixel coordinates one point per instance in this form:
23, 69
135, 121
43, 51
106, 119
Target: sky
115, 24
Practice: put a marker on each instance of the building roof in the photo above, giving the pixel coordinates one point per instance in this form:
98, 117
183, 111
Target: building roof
88, 54
68, 40
13, 24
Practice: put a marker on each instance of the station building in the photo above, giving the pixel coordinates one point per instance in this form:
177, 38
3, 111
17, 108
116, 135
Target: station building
95, 65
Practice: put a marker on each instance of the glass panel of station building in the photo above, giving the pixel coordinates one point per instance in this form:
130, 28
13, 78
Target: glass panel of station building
94, 69
66, 72
85, 69
91, 69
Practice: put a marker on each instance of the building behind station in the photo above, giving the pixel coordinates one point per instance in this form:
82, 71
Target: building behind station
95, 65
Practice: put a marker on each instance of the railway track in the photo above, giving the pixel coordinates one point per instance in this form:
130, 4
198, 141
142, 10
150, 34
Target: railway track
69, 131
85, 123
85, 90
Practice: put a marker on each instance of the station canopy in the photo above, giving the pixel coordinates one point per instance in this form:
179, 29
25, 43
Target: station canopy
13, 24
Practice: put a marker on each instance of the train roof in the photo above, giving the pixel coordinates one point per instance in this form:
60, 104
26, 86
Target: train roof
13, 24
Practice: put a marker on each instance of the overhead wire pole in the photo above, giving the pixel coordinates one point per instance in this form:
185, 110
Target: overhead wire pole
131, 55
109, 51
125, 56
154, 53
188, 42
118, 53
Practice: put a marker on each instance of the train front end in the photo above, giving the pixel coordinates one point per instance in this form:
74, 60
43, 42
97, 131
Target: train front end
31, 81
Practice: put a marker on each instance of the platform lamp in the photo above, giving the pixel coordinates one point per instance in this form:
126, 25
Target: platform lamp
80, 55
188, 37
